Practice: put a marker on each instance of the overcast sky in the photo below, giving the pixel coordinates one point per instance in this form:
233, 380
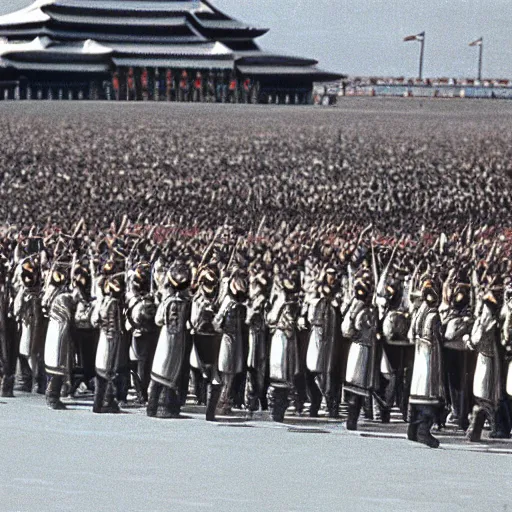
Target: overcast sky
364, 37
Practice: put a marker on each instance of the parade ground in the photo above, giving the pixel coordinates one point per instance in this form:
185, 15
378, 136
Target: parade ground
75, 460
401, 164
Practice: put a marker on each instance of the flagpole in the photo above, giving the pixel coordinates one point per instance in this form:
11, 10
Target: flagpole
421, 56
480, 54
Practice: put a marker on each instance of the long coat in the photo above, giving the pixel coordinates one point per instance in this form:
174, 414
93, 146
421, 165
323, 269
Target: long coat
174, 342
360, 327
59, 335
108, 317
230, 320
324, 347
485, 338
427, 386
284, 353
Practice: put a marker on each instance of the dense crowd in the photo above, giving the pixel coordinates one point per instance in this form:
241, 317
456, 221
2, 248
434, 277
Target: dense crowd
297, 256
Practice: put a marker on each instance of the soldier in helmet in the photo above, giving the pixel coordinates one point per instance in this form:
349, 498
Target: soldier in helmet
230, 321
85, 336
427, 386
7, 335
398, 354
324, 350
171, 360
283, 320
107, 316
359, 326
141, 321
488, 381
457, 318
206, 340
29, 316
59, 336
257, 360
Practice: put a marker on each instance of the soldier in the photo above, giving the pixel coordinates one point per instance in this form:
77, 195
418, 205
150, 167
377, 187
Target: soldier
59, 337
507, 344
7, 336
141, 321
107, 316
427, 386
206, 340
230, 321
171, 360
458, 320
488, 381
28, 314
360, 327
398, 356
257, 360
324, 350
283, 320
85, 336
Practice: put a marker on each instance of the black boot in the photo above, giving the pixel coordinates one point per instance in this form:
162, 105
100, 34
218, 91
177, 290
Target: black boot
353, 411
153, 398
7, 388
474, 431
53, 393
278, 402
368, 408
501, 424
412, 419
25, 376
212, 400
40, 378
427, 417
100, 387
385, 415
171, 404
111, 406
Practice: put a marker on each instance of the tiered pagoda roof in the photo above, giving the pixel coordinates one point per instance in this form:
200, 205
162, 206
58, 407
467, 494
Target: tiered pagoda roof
94, 36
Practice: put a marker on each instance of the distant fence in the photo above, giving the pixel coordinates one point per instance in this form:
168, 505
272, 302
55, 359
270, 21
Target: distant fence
327, 94
431, 91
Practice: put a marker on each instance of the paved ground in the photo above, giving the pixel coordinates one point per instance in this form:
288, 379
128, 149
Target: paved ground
75, 460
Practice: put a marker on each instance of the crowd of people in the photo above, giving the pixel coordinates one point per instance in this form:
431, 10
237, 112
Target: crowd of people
273, 264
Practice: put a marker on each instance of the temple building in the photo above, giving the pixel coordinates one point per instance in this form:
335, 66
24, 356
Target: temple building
167, 50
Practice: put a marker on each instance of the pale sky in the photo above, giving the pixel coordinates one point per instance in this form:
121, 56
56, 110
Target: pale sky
364, 37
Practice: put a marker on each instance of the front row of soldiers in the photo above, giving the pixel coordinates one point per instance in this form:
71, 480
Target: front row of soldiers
261, 336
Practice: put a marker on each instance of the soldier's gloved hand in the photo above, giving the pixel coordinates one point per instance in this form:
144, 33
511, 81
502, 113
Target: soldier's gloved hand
111, 375
467, 342
301, 323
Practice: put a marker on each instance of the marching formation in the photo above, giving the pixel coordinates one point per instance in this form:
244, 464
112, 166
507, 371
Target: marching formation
320, 262
265, 319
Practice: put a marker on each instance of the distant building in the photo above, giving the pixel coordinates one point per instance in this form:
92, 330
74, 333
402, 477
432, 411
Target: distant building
145, 50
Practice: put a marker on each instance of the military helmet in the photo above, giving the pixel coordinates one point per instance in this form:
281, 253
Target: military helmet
179, 276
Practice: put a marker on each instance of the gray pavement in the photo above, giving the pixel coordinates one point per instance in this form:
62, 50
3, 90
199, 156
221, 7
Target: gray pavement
75, 460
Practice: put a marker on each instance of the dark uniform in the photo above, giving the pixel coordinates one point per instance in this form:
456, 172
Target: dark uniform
107, 316
205, 339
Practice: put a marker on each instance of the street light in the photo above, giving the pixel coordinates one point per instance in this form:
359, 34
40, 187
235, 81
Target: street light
421, 38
